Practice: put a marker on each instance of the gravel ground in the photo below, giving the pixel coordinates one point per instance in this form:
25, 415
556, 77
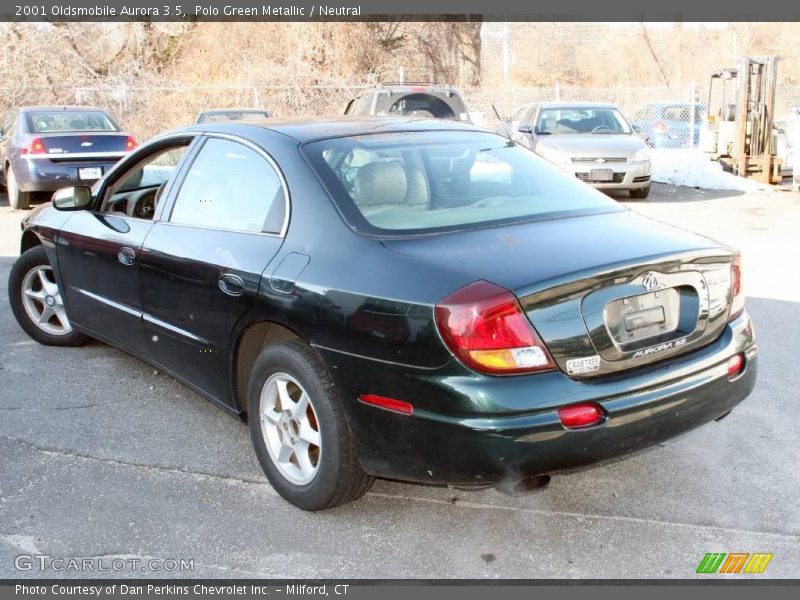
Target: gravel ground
104, 456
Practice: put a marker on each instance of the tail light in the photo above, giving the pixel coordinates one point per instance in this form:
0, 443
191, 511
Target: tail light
484, 326
660, 127
130, 143
35, 147
737, 293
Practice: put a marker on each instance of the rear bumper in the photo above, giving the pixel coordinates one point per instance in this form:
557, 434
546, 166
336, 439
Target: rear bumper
43, 175
627, 176
512, 430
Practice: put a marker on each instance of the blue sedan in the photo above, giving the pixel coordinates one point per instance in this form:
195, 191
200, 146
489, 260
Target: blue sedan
46, 148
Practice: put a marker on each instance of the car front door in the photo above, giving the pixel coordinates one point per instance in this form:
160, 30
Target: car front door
98, 249
201, 265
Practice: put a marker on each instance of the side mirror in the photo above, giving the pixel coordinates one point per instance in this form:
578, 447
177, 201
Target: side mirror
72, 198
525, 128
637, 128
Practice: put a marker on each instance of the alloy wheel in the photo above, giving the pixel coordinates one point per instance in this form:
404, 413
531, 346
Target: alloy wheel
42, 301
290, 428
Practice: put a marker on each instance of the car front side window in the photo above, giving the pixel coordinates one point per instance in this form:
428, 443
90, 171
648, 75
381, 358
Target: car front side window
231, 186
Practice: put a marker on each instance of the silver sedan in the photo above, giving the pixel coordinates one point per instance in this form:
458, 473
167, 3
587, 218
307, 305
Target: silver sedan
591, 140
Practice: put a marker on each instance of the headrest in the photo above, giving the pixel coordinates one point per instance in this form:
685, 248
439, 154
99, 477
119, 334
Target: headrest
549, 124
381, 182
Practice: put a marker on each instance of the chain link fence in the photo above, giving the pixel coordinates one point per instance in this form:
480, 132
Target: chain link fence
662, 113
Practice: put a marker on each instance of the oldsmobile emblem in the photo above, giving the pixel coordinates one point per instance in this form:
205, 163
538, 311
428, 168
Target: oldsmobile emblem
86, 144
600, 160
650, 281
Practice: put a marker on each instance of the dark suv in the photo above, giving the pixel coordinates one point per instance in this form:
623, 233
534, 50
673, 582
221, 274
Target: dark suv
428, 100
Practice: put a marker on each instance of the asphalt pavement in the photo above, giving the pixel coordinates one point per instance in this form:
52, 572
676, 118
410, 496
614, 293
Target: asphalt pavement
101, 455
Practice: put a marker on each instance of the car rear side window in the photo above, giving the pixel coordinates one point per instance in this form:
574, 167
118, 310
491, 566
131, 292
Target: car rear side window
231, 186
60, 121
417, 182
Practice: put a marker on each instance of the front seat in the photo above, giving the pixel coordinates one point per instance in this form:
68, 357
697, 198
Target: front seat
380, 183
549, 124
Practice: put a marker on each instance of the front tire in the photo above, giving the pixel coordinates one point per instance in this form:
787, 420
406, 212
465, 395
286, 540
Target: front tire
641, 193
36, 302
299, 430
17, 199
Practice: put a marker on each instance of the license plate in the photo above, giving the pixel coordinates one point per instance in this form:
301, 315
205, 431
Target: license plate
90, 173
602, 175
576, 366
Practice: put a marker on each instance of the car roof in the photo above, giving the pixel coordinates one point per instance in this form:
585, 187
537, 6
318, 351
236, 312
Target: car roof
61, 108
214, 111
413, 85
577, 105
310, 129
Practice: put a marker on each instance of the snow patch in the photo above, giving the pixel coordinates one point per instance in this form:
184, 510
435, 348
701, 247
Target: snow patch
693, 168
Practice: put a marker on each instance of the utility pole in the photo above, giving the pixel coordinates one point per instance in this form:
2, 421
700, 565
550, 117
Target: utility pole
506, 55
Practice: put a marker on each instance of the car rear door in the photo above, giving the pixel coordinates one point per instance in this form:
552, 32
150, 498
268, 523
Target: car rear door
201, 265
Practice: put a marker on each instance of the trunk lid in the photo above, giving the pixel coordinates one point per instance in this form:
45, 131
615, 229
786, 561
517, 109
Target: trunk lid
606, 293
62, 147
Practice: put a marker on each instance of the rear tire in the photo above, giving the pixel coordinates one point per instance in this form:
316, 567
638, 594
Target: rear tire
641, 193
17, 199
299, 430
36, 302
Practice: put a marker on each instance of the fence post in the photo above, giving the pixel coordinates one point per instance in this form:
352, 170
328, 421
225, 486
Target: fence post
256, 99
558, 91
692, 113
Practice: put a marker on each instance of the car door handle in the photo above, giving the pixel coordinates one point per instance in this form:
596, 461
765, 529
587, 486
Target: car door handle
230, 284
127, 256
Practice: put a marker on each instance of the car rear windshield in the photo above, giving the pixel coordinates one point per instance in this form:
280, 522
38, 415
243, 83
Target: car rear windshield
422, 104
233, 115
561, 120
420, 182
68, 121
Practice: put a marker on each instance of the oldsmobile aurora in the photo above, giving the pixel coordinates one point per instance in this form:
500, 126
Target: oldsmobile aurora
412, 299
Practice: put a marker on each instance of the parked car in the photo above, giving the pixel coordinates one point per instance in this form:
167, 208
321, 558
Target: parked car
44, 148
593, 141
220, 115
411, 299
432, 101
669, 124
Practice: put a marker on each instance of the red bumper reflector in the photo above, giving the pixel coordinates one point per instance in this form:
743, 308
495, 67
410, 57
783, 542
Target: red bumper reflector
580, 415
398, 406
735, 365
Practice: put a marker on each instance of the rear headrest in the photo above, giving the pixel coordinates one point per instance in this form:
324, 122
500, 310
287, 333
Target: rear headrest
382, 182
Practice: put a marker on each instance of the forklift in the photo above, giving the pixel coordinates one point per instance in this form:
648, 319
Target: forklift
738, 128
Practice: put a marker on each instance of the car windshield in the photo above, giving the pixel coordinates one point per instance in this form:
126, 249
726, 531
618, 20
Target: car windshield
419, 182
232, 115
61, 121
570, 120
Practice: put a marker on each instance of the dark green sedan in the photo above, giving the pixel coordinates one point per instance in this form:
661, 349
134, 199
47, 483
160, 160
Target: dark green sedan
402, 298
